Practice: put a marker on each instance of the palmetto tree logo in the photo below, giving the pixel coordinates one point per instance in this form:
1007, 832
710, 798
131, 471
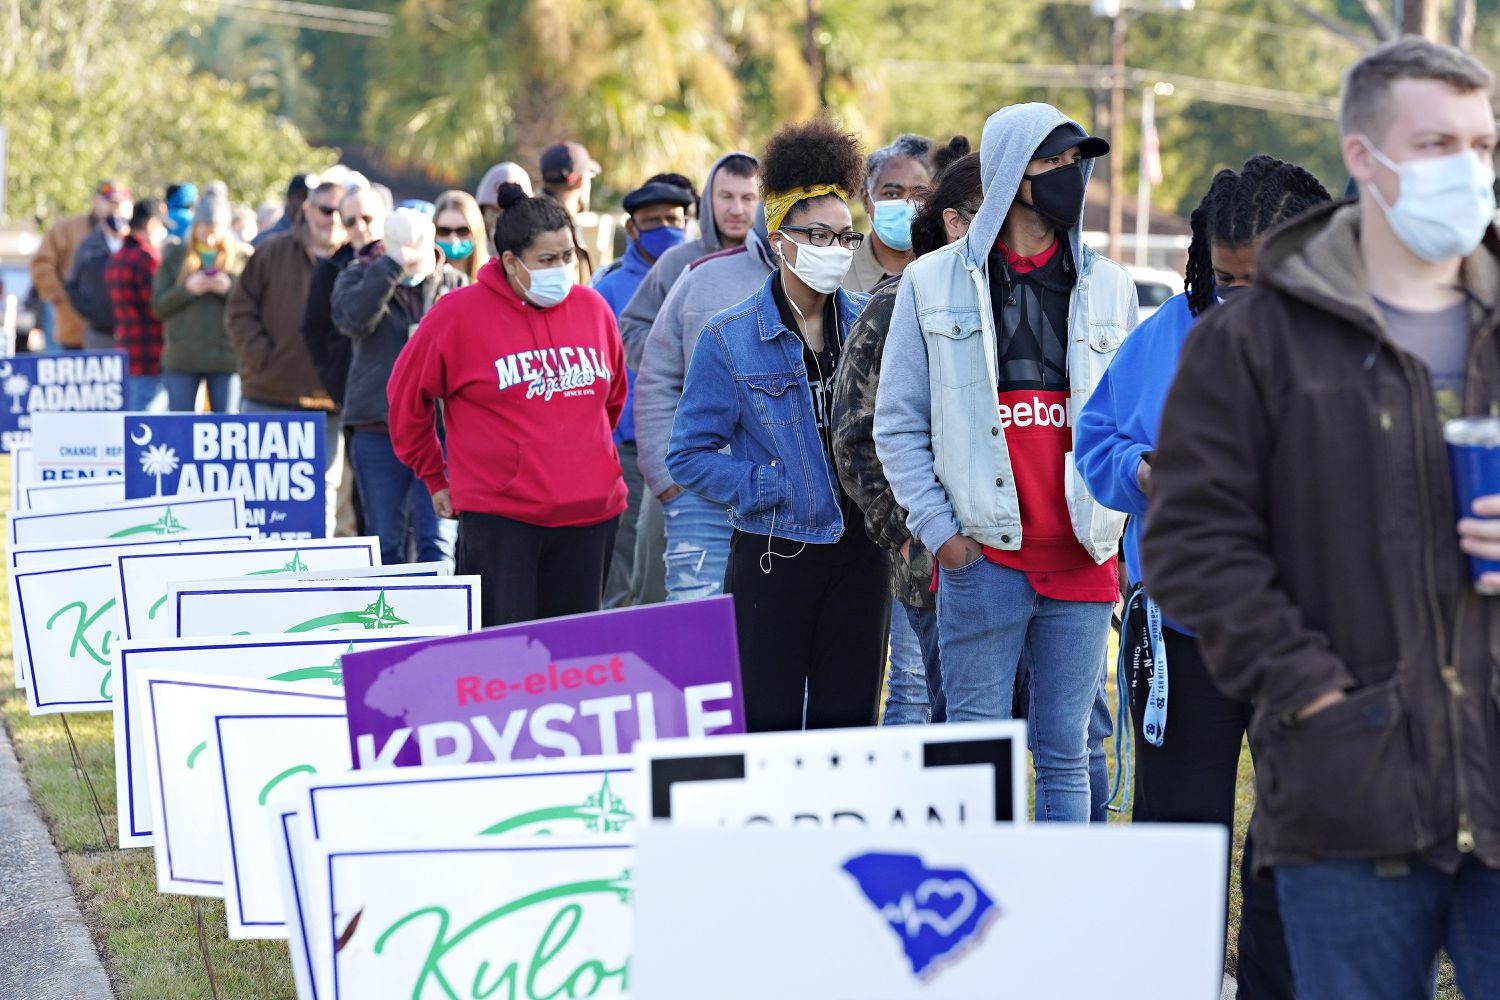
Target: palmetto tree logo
159, 460
15, 386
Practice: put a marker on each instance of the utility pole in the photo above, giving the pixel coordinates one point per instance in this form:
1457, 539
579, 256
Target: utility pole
812, 52
1117, 131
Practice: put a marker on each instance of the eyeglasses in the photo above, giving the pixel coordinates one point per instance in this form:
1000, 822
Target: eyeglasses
357, 220
326, 209
822, 236
462, 232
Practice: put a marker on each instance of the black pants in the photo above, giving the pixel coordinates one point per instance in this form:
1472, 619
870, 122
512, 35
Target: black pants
818, 622
528, 572
1191, 778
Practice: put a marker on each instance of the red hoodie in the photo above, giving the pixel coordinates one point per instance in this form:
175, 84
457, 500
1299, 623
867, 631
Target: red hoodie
530, 399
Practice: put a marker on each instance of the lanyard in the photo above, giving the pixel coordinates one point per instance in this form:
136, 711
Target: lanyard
1154, 726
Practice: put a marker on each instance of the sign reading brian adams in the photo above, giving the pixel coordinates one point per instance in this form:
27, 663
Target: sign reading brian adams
588, 684
275, 459
56, 383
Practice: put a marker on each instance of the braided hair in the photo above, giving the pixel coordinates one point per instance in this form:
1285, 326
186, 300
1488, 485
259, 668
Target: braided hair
1238, 208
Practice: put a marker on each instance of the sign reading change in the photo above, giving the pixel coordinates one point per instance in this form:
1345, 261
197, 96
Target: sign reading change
275, 459
586, 684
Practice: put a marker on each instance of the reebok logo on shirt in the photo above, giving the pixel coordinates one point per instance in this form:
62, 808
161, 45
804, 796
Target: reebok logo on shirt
545, 372
1036, 412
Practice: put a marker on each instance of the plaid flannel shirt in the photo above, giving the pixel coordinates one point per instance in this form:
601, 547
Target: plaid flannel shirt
128, 277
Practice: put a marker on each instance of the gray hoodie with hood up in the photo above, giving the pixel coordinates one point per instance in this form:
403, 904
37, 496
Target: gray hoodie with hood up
640, 312
937, 426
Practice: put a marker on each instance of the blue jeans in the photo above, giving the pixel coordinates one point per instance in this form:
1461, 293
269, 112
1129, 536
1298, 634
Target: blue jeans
914, 686
182, 391
697, 554
990, 621
396, 503
144, 394
1101, 728
1355, 930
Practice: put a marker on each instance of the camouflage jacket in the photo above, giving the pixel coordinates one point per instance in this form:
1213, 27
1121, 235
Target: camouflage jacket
859, 469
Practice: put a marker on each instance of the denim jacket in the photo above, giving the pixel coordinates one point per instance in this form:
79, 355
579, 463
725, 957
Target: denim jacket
747, 388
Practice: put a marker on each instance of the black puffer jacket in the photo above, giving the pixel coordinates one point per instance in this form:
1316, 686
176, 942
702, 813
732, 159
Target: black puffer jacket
373, 309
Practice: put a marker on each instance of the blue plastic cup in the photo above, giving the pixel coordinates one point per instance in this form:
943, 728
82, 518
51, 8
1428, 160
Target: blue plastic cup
1474, 452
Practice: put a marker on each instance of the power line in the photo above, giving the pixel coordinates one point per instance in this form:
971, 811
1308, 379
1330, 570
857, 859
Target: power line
1102, 78
309, 16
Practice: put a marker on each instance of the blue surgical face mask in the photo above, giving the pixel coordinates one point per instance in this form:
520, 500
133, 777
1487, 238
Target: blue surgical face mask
549, 285
1445, 206
892, 222
655, 242
456, 250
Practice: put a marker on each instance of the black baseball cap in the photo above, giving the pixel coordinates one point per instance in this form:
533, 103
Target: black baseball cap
658, 193
566, 163
1065, 137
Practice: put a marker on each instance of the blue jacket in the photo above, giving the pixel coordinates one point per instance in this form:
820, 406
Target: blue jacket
1118, 424
747, 388
617, 285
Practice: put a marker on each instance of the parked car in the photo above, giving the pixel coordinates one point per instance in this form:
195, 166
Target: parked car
1154, 286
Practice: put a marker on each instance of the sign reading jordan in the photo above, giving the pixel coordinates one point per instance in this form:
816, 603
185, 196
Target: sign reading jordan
275, 459
586, 684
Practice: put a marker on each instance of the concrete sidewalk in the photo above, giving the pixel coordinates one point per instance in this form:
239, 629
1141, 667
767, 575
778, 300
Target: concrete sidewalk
45, 949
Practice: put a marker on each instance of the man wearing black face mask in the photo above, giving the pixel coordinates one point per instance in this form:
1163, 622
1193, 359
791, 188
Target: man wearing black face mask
85, 283
995, 342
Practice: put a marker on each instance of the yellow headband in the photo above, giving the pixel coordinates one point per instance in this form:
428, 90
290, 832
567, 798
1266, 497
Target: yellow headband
779, 203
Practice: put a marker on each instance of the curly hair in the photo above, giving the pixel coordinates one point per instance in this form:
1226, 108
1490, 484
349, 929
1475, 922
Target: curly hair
1238, 208
810, 153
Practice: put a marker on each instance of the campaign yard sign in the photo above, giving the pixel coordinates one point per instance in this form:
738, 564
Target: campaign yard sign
349, 603
923, 913
310, 661
585, 684
275, 459
32, 384
84, 445
128, 519
955, 775
478, 804
553, 919
69, 494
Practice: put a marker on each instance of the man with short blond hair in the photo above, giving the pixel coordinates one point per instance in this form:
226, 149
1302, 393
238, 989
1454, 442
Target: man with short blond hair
1302, 523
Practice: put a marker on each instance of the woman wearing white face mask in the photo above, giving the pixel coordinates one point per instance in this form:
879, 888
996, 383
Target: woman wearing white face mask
531, 373
811, 591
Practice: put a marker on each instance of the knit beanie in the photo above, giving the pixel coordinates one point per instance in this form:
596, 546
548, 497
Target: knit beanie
213, 208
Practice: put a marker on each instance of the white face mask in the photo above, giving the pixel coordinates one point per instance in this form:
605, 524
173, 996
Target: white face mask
549, 285
821, 268
1445, 206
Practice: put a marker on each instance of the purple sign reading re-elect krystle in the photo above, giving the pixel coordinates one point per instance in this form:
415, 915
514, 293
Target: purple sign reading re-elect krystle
587, 684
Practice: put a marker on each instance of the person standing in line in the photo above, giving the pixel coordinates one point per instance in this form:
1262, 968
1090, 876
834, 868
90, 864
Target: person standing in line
461, 235
568, 173
54, 260
85, 283
180, 200
486, 195
727, 213
264, 320
656, 223
811, 590
914, 694
297, 192
1186, 772
1302, 522
897, 178
530, 373
242, 227
377, 303
363, 211
994, 342
127, 279
189, 294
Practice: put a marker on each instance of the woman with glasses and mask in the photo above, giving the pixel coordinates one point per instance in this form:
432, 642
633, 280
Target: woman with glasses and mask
461, 233
811, 590
530, 371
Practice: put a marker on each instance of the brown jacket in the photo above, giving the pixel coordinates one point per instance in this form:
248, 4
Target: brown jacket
1303, 523
49, 271
264, 320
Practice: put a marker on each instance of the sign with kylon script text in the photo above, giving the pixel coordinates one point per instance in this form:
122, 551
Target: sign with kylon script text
586, 684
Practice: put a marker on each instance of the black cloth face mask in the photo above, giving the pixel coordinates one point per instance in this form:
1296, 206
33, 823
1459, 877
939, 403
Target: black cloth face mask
1057, 195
